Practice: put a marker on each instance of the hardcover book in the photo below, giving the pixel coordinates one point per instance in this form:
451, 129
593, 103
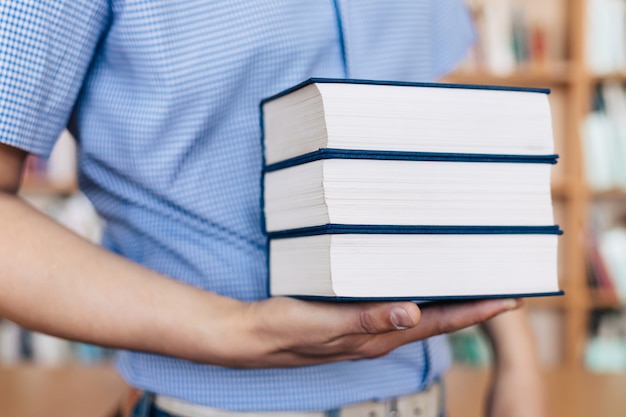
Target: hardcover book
375, 190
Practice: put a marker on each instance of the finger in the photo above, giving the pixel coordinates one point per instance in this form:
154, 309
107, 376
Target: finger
379, 318
434, 320
353, 331
438, 319
444, 318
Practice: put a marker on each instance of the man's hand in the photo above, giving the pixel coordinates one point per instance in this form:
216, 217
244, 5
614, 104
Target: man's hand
284, 332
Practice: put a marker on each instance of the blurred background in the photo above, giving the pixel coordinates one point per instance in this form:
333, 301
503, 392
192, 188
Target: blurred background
577, 48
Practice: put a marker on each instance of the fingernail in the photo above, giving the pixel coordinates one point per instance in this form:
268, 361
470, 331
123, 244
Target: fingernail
400, 318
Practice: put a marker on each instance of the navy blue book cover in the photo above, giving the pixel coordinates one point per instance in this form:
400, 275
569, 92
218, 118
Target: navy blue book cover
343, 229
331, 153
403, 84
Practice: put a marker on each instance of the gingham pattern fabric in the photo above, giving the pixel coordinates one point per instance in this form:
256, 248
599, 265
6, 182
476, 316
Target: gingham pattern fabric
163, 97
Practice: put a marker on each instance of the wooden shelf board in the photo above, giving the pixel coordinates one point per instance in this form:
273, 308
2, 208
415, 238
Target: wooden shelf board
552, 75
616, 76
600, 298
613, 194
545, 302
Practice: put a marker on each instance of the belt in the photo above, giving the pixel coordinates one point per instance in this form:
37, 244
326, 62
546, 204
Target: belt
427, 403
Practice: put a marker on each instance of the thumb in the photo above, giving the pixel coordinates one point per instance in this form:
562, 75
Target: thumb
386, 317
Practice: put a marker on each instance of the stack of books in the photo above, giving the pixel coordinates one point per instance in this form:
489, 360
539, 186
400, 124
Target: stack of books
376, 190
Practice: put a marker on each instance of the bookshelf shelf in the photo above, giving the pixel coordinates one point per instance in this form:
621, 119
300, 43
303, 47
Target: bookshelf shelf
614, 194
604, 299
615, 77
545, 302
554, 75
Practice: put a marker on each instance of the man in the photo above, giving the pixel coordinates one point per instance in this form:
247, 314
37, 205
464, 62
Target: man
162, 97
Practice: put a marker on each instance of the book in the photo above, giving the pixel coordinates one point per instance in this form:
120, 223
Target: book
361, 262
599, 276
375, 190
611, 248
409, 117
410, 192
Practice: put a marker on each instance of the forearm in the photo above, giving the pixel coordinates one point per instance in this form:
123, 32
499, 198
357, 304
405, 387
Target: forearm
54, 281
517, 389
512, 340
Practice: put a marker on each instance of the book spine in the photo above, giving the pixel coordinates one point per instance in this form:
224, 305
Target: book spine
331, 153
394, 229
403, 84
425, 301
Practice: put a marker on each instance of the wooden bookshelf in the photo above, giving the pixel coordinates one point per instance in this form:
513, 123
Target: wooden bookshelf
558, 74
614, 194
545, 302
571, 77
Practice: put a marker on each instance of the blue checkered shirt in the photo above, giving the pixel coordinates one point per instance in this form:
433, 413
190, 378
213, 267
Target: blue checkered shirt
163, 98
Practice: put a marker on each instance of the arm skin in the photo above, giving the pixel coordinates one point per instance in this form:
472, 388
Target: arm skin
53, 281
517, 389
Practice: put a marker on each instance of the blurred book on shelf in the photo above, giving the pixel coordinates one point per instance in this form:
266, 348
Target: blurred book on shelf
547, 325
598, 275
603, 136
19, 345
606, 248
516, 35
606, 36
612, 251
470, 347
605, 349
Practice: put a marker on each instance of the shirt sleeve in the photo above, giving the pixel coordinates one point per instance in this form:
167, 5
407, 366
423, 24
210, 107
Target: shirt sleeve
46, 47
